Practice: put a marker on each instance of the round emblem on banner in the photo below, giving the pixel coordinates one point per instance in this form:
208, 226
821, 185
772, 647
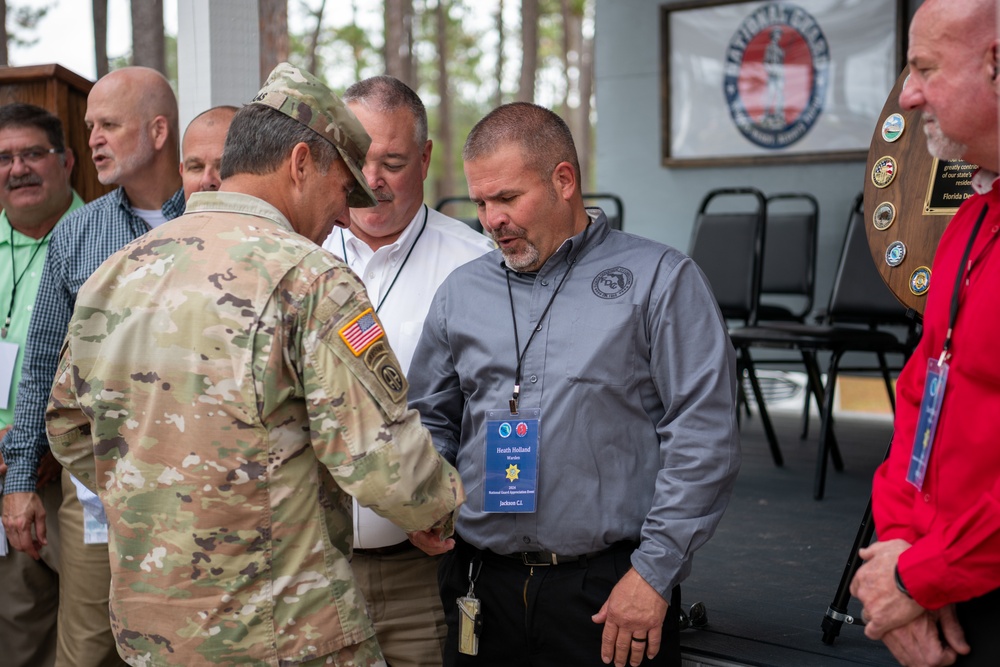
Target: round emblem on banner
776, 75
521, 429
920, 280
884, 171
893, 127
504, 430
895, 253
884, 216
612, 283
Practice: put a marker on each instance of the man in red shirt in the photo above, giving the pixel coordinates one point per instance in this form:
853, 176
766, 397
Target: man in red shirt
930, 586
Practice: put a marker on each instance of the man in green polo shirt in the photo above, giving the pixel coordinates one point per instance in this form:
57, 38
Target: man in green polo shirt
35, 194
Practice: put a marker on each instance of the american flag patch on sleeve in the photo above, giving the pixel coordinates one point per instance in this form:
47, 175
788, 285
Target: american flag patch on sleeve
361, 332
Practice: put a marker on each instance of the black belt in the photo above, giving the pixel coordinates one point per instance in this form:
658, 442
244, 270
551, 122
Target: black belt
546, 558
390, 550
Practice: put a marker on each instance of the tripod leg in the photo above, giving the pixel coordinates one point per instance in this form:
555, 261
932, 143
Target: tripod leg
836, 614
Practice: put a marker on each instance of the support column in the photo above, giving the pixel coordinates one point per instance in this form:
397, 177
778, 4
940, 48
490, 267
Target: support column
218, 47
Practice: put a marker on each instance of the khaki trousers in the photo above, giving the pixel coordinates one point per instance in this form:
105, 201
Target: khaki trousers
29, 595
85, 638
404, 603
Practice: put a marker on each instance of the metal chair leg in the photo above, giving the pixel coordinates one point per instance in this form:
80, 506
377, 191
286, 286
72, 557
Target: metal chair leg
826, 446
772, 438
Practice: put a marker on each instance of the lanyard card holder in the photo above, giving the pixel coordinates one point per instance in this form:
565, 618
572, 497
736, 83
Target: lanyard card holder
930, 411
511, 480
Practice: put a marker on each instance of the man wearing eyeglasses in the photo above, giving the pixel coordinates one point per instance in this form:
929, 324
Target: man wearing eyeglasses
133, 124
35, 194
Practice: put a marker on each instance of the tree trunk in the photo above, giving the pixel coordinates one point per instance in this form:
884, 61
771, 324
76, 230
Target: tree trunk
148, 45
498, 96
529, 49
101, 37
314, 41
569, 55
399, 61
273, 17
586, 92
4, 55
445, 185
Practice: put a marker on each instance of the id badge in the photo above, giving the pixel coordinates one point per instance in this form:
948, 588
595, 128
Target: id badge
930, 410
511, 477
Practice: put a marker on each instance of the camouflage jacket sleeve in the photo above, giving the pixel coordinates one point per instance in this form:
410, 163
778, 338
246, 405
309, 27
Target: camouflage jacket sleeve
362, 431
67, 425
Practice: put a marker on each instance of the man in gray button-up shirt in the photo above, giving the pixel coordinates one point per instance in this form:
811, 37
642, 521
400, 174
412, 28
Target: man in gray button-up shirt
616, 341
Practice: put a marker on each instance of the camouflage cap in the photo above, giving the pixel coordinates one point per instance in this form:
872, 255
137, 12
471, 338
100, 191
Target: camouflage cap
301, 96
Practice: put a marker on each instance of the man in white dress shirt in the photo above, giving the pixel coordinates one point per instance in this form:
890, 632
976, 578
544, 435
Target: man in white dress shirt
402, 250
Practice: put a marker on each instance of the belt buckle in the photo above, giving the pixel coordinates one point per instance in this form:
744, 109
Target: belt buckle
538, 558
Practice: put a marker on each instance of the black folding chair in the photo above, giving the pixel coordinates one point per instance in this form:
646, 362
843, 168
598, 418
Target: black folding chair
859, 302
788, 277
728, 246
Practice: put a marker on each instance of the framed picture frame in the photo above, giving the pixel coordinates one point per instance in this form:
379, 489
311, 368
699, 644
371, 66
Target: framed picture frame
766, 81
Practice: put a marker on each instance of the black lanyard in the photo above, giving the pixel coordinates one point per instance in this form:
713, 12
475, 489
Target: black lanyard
343, 249
513, 317
17, 278
964, 269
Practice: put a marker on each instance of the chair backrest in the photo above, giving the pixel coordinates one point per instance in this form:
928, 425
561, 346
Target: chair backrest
728, 247
859, 293
460, 208
611, 204
788, 277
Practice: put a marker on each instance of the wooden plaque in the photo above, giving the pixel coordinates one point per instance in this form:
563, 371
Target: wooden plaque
64, 93
914, 207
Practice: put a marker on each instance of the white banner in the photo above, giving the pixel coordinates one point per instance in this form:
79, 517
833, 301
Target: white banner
774, 79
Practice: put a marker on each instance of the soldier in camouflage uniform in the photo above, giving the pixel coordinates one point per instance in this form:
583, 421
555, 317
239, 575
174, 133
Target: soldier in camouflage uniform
225, 385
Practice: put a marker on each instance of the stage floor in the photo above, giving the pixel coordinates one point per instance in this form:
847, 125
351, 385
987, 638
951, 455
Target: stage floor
772, 569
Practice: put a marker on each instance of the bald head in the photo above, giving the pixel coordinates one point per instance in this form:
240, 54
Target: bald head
967, 22
953, 79
201, 150
132, 120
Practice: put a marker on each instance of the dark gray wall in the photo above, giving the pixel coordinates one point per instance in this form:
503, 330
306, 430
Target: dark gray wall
660, 202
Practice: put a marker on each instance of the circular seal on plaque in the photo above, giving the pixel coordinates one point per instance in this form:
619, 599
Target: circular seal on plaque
920, 280
884, 171
776, 74
893, 127
884, 216
895, 253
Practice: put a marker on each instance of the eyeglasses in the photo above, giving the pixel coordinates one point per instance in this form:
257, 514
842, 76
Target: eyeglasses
30, 156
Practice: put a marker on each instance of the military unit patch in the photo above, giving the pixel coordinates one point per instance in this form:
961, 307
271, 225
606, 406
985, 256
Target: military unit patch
361, 332
386, 370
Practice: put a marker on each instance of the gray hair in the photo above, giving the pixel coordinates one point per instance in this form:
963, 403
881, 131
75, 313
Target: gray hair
386, 94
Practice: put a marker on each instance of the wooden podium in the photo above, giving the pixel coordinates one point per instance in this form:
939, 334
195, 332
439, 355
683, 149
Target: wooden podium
64, 93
